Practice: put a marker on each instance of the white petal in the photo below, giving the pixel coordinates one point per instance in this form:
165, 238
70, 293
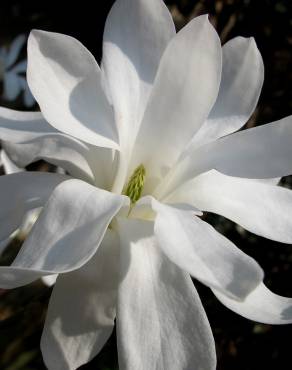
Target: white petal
207, 255
14, 50
136, 34
21, 192
143, 209
82, 310
263, 209
9, 166
66, 235
161, 323
261, 305
28, 222
130, 68
49, 280
16, 126
183, 94
103, 164
66, 82
39, 140
272, 181
12, 86
241, 84
261, 152
4, 243
58, 149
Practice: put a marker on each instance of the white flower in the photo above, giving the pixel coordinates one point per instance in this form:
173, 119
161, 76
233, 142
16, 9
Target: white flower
12, 73
149, 122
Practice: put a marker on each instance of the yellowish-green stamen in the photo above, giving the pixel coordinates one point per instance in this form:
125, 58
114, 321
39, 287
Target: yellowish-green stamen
135, 184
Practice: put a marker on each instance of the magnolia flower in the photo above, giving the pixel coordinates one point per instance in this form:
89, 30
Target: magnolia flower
12, 73
149, 143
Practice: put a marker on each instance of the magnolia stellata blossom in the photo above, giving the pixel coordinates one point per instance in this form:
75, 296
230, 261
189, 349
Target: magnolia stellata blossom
12, 72
149, 143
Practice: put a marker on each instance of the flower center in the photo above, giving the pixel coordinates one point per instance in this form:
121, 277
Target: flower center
135, 184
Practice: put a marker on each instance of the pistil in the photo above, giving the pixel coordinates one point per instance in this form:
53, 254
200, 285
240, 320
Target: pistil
135, 184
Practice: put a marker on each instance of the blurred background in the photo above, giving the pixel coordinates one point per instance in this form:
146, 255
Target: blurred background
241, 344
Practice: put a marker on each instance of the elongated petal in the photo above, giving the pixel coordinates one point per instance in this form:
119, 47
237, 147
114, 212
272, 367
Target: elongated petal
39, 140
183, 94
161, 323
8, 166
207, 255
66, 234
49, 280
261, 152
263, 209
135, 37
240, 87
21, 192
65, 80
16, 126
14, 50
84, 161
82, 310
103, 164
4, 243
58, 149
261, 305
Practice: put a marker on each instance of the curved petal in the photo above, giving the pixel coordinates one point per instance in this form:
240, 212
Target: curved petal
261, 152
39, 140
49, 280
8, 165
135, 36
58, 149
14, 50
66, 82
163, 324
21, 192
240, 88
82, 310
103, 164
16, 126
261, 305
4, 243
184, 91
198, 248
261, 208
66, 234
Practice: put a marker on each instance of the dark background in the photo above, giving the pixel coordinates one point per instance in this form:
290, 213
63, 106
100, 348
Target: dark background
241, 344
